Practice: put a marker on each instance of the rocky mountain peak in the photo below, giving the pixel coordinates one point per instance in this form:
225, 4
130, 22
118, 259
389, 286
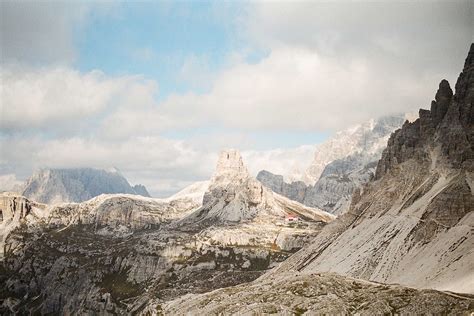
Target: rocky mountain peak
446, 126
54, 186
230, 167
439, 106
465, 83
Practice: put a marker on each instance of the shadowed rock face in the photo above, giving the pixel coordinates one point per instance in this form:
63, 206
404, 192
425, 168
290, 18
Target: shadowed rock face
447, 126
412, 224
77, 185
295, 191
340, 166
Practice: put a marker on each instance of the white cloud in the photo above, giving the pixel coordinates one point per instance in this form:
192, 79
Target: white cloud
298, 89
46, 97
159, 163
39, 32
9, 182
413, 33
291, 162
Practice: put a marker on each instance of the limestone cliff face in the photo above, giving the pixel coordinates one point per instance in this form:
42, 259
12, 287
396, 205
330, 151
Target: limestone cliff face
366, 140
295, 191
13, 207
14, 211
446, 127
234, 196
54, 186
333, 191
413, 223
115, 252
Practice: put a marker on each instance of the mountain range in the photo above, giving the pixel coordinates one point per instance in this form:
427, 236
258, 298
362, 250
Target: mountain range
115, 252
232, 245
77, 185
411, 225
340, 165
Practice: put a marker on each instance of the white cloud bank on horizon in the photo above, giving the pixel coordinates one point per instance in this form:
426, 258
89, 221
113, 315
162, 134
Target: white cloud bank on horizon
325, 70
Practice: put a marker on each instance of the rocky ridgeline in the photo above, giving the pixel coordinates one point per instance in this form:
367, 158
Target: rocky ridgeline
412, 225
53, 186
340, 165
447, 127
316, 294
116, 252
15, 210
234, 196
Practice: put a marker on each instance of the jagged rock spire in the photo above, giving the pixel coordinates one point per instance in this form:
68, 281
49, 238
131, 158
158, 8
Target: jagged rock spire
440, 105
230, 166
465, 83
448, 125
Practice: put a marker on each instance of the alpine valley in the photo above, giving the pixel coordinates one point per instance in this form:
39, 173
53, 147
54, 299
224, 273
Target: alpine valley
380, 223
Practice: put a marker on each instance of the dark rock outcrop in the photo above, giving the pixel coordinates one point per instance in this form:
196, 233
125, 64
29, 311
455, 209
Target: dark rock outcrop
447, 126
295, 191
140, 189
412, 224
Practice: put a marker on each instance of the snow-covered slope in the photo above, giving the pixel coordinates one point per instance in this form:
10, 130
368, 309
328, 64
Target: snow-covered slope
413, 224
194, 192
76, 185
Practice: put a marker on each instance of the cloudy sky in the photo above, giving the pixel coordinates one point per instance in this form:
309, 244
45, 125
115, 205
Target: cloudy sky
156, 89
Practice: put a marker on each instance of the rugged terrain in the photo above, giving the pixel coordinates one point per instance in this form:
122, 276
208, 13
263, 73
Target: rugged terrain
115, 253
52, 186
340, 165
321, 294
411, 225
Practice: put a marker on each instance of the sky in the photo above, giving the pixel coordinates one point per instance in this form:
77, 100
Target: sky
158, 88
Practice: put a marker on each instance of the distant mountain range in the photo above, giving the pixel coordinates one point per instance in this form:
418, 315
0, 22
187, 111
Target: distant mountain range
76, 185
404, 245
410, 227
211, 234
340, 165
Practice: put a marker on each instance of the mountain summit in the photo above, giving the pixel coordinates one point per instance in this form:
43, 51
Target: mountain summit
234, 196
341, 164
76, 185
412, 224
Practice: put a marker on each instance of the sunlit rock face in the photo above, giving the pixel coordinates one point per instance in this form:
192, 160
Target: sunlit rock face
115, 252
234, 196
16, 210
53, 186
